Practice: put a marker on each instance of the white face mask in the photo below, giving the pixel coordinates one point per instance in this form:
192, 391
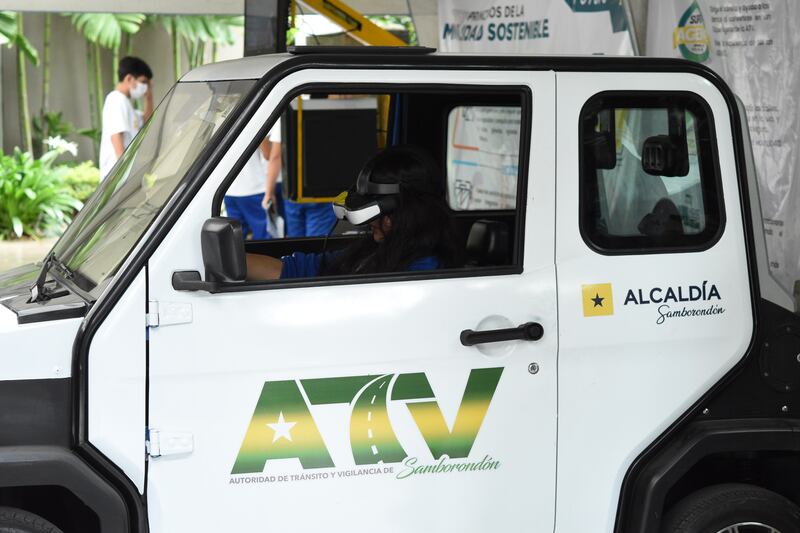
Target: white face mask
138, 90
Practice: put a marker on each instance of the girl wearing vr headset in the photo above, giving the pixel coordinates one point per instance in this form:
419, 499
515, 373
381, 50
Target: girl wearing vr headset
397, 195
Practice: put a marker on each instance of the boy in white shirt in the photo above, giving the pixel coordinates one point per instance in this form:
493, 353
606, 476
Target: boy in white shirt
121, 122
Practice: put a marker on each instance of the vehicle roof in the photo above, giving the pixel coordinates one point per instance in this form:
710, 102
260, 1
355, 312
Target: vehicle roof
255, 67
236, 69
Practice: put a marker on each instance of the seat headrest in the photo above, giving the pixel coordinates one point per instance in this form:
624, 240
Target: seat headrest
488, 243
664, 221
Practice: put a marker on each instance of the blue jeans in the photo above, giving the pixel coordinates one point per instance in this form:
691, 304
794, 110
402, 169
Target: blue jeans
250, 212
308, 220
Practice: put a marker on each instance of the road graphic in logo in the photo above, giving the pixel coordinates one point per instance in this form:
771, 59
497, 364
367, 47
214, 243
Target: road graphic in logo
690, 37
597, 299
283, 427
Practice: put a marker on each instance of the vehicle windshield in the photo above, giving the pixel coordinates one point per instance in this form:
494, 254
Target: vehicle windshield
132, 195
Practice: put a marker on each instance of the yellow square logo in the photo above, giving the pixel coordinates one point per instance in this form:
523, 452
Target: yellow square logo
597, 300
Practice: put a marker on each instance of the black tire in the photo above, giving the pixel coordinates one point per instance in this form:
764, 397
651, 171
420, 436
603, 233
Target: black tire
18, 521
713, 509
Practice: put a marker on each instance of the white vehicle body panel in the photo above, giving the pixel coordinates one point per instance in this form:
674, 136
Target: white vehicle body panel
623, 379
117, 378
35, 351
205, 378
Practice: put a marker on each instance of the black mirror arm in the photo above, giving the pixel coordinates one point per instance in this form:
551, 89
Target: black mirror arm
190, 280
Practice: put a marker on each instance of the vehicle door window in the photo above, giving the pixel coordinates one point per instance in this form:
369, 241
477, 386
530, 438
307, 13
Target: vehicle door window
320, 221
649, 169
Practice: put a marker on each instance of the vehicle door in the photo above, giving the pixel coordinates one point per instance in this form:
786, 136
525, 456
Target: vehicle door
654, 300
314, 405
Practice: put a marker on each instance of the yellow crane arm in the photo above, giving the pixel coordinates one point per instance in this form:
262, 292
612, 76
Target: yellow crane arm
354, 23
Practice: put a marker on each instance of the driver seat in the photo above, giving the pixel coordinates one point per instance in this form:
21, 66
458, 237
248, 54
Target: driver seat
488, 243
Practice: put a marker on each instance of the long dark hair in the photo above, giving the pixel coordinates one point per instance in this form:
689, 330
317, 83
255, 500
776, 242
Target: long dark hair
421, 225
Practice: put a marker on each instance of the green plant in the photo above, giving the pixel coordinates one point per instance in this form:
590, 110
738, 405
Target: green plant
12, 30
394, 22
55, 125
50, 124
34, 201
82, 180
90, 133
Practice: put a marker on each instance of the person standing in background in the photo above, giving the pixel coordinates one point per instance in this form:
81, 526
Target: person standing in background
121, 122
309, 219
249, 196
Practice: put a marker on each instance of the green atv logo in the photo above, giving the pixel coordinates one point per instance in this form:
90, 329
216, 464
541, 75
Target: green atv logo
282, 425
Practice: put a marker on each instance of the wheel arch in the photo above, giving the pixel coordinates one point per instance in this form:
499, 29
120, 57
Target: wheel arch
34, 468
654, 486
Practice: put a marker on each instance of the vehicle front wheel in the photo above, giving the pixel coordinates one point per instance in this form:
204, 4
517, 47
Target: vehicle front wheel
18, 521
733, 508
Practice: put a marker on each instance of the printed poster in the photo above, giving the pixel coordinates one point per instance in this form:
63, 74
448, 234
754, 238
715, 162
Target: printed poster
483, 157
754, 46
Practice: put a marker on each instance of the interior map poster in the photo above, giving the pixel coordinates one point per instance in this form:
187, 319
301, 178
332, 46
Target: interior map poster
483, 157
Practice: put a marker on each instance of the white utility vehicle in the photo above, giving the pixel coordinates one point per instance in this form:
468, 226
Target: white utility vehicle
611, 356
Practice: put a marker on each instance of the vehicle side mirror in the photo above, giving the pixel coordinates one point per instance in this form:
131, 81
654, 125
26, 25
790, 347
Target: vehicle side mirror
668, 155
222, 243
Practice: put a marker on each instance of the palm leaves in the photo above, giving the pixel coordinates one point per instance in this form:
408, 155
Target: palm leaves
106, 29
11, 34
8, 26
195, 32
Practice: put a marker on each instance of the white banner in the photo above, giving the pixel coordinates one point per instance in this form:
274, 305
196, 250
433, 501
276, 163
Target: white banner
755, 46
534, 27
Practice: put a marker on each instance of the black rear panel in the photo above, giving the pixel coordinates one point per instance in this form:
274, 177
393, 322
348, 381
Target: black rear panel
35, 412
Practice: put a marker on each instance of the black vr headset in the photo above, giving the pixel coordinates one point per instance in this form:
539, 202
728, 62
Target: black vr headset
368, 200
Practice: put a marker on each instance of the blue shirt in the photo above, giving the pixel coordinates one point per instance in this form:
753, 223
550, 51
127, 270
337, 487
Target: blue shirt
303, 265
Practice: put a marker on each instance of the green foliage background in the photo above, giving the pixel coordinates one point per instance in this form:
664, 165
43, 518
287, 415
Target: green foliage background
36, 199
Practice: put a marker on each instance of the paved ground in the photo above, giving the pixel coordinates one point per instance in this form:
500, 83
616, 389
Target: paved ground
16, 253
